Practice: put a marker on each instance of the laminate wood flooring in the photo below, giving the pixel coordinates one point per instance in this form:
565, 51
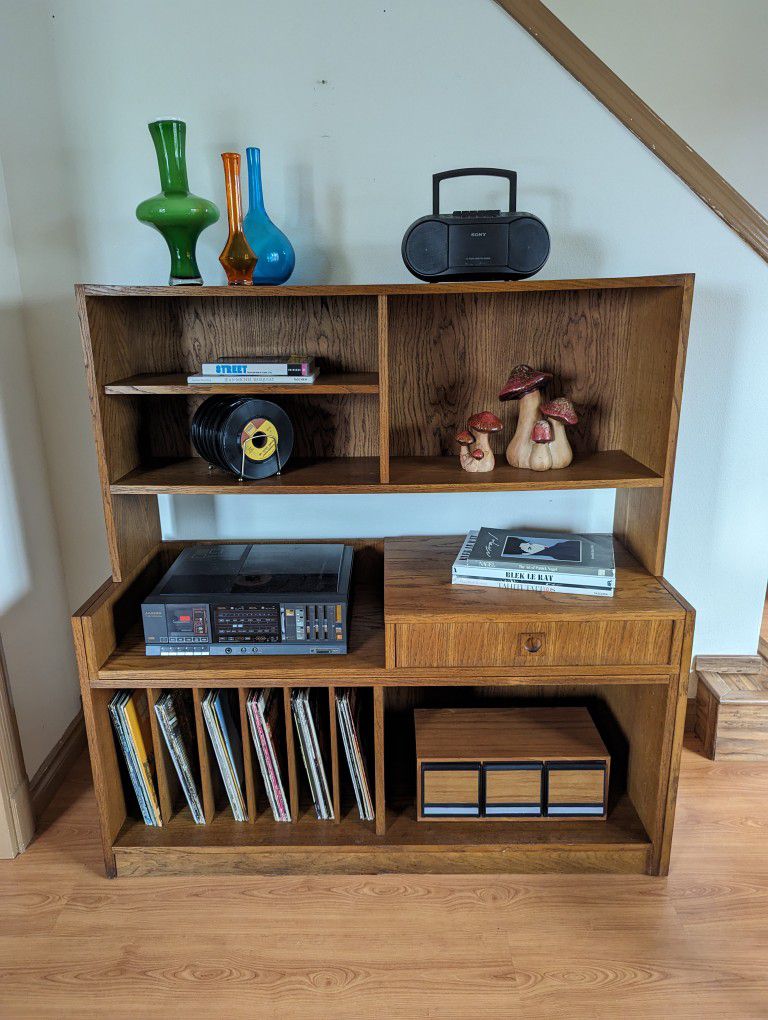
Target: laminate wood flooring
74, 944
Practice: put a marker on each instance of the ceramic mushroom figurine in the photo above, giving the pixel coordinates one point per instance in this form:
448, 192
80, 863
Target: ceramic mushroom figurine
465, 439
560, 413
524, 384
481, 425
541, 455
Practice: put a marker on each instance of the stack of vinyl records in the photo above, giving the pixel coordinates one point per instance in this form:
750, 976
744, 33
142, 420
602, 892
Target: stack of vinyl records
304, 714
264, 718
348, 711
565, 563
130, 717
174, 715
227, 748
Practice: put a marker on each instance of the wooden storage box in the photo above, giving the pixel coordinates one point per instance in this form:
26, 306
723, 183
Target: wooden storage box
732, 714
508, 763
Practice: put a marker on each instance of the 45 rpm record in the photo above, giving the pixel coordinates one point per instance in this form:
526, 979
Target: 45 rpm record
251, 438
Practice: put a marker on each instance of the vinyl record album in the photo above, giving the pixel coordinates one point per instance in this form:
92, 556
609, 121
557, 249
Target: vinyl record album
252, 438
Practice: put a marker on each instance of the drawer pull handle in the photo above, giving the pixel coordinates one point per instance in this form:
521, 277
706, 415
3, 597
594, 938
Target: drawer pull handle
533, 645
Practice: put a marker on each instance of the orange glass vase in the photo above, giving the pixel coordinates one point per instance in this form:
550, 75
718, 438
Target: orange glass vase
237, 257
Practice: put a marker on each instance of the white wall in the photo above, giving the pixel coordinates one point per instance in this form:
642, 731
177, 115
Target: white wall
700, 65
355, 105
34, 623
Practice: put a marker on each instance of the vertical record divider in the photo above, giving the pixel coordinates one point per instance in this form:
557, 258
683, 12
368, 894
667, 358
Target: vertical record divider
167, 780
382, 333
378, 759
290, 753
248, 762
334, 744
206, 777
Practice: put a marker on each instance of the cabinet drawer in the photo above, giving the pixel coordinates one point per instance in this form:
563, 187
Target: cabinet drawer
607, 643
513, 789
576, 788
450, 790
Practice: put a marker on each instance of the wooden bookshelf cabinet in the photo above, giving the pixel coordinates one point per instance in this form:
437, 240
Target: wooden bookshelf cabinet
403, 366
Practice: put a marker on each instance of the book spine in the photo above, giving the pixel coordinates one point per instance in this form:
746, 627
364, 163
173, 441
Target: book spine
293, 368
533, 576
559, 589
548, 568
251, 380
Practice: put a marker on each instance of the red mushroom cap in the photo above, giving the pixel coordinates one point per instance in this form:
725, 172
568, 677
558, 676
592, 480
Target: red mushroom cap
542, 432
477, 454
485, 421
465, 438
523, 379
561, 409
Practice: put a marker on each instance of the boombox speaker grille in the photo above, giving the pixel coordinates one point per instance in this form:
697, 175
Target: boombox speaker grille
427, 248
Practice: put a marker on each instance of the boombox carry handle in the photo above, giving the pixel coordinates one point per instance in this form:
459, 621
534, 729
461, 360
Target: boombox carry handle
474, 171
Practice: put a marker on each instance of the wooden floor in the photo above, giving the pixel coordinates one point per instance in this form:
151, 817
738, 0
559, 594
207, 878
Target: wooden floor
73, 944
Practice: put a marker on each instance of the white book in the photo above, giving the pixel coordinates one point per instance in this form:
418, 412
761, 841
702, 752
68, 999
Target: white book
559, 589
251, 380
533, 576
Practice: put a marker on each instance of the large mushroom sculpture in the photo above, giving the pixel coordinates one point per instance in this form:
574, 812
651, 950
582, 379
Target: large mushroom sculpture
524, 384
475, 454
559, 412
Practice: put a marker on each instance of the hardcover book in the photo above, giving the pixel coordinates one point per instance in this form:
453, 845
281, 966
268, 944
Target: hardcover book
281, 364
588, 555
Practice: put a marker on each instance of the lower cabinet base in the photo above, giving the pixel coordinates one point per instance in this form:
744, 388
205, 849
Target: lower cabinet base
383, 860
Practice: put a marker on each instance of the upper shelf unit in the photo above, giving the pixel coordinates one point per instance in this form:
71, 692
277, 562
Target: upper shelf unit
402, 367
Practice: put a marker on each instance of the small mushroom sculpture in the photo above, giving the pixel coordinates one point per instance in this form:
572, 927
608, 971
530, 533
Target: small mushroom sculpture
478, 458
560, 412
524, 384
541, 455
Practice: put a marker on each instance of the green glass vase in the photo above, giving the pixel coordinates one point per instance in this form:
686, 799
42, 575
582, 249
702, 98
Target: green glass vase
179, 216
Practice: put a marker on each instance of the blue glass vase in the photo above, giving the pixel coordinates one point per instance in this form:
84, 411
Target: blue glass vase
276, 257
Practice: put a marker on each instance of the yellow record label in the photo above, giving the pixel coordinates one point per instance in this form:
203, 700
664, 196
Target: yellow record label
259, 439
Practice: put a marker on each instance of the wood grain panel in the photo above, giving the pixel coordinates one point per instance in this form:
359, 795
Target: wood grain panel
506, 734
426, 594
512, 786
562, 644
575, 786
450, 786
450, 356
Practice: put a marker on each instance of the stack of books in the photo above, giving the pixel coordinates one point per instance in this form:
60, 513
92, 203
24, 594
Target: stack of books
130, 717
264, 717
304, 714
285, 369
564, 563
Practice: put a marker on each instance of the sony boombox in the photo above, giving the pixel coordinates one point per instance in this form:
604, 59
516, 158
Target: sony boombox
480, 244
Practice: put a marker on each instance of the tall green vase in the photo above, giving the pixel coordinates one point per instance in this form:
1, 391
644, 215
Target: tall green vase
179, 216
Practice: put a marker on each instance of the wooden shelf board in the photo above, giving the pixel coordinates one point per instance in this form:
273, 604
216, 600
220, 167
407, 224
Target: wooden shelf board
427, 595
373, 290
604, 469
192, 476
611, 469
176, 384
621, 830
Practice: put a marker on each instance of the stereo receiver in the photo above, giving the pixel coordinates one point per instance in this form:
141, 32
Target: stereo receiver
478, 244
259, 599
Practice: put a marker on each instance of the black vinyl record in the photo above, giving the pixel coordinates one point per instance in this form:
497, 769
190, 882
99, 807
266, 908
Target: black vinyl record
252, 438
